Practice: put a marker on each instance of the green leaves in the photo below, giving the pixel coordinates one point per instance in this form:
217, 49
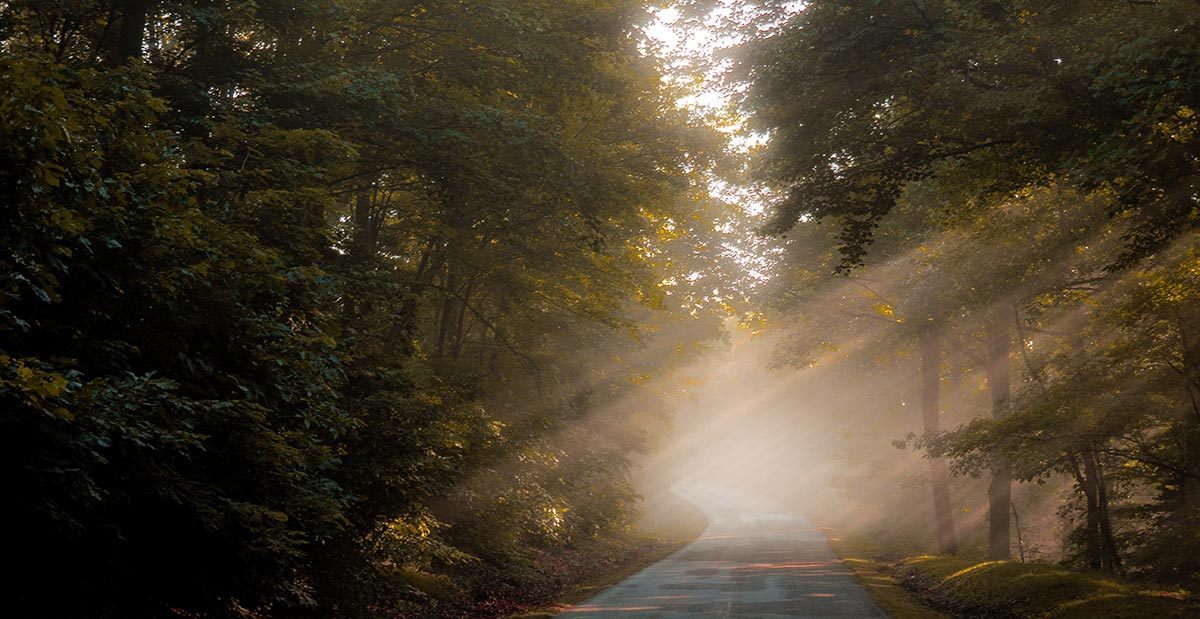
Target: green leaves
865, 100
275, 286
999, 159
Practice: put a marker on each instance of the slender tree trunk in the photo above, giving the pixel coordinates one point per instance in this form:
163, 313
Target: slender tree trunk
424, 265
1091, 540
1000, 487
939, 477
447, 314
362, 248
459, 328
366, 229
133, 29
1102, 551
1111, 558
1017, 526
483, 334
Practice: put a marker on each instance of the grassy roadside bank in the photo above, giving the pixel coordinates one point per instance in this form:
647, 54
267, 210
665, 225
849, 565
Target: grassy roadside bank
872, 568
928, 587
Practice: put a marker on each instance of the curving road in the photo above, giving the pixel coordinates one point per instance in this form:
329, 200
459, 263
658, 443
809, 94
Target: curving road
750, 562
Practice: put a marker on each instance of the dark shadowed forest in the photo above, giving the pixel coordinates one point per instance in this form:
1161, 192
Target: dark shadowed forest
366, 308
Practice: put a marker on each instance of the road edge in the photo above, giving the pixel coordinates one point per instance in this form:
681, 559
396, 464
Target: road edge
878, 580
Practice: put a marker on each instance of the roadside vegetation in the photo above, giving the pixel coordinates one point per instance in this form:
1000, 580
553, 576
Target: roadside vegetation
370, 308
668, 525
988, 291
339, 308
940, 586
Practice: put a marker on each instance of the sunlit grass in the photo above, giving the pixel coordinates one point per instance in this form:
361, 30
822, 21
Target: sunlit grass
878, 580
1008, 588
927, 586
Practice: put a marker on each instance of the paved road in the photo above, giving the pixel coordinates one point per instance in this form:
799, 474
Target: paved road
749, 563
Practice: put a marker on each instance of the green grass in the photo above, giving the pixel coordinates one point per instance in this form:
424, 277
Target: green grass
926, 586
867, 561
1009, 589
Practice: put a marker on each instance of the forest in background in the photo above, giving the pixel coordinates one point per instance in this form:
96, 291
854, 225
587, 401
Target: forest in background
356, 308
990, 217
337, 308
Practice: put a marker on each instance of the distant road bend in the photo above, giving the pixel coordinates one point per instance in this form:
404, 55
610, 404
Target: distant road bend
762, 565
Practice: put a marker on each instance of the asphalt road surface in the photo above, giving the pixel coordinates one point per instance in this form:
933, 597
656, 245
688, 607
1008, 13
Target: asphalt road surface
748, 563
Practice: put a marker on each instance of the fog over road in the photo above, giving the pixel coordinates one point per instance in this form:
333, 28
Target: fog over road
750, 562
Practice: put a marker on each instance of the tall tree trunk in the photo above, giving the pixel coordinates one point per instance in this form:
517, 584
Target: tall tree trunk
1111, 558
1090, 541
447, 313
459, 327
362, 249
1000, 487
939, 476
424, 265
1017, 526
1098, 545
366, 227
133, 29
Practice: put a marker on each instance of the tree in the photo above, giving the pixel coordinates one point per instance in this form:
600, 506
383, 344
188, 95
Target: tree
874, 105
862, 100
283, 279
931, 362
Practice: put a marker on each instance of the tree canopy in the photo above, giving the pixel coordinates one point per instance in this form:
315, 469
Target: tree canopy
863, 100
334, 309
1018, 178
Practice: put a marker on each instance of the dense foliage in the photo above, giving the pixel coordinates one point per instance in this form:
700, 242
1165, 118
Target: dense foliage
332, 308
1012, 183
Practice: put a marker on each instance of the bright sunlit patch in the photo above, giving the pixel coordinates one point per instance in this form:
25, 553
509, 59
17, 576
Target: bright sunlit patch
964, 572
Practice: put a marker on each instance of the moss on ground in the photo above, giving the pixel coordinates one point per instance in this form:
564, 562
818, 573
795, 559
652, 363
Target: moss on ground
968, 588
922, 587
868, 562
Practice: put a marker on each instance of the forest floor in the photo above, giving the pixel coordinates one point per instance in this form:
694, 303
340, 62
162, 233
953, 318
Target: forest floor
938, 587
